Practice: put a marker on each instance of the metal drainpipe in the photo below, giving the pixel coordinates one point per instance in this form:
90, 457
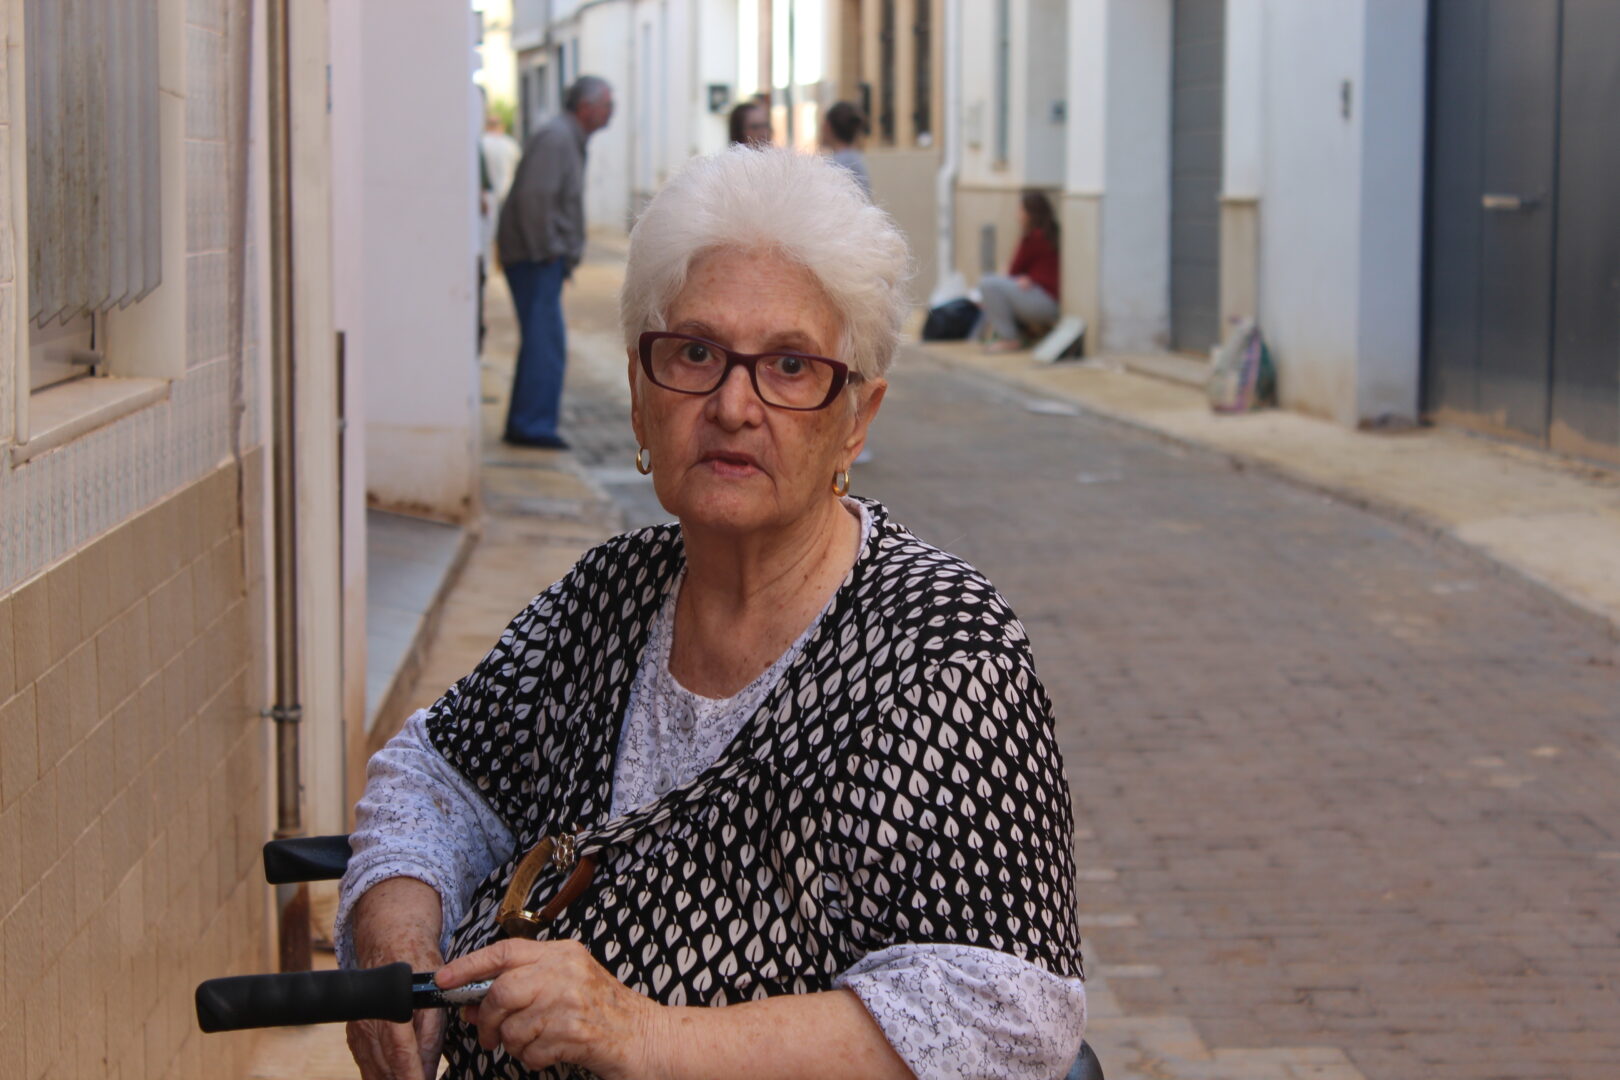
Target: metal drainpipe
292, 901
951, 131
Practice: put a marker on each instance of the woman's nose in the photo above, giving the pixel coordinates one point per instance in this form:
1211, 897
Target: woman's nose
734, 400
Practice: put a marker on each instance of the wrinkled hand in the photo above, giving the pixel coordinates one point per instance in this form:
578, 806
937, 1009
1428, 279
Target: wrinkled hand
552, 1002
386, 1051
398, 919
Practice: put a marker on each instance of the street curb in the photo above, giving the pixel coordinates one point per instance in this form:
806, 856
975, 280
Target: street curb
1601, 618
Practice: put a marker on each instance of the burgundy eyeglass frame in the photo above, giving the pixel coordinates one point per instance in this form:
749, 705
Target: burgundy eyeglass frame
841, 374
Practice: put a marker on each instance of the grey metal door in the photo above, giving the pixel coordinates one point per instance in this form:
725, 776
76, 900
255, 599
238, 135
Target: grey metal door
1586, 316
1198, 74
1522, 335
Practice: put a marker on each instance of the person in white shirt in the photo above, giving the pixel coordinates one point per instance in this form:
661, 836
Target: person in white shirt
501, 156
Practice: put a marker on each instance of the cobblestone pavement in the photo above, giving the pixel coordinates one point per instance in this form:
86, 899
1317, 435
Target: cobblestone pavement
1346, 796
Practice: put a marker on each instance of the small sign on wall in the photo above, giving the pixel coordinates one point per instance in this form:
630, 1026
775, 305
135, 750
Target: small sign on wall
719, 97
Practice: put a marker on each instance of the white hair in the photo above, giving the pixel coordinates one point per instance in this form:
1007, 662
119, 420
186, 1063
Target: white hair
800, 206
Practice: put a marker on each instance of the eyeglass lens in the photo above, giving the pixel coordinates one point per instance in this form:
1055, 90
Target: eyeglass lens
696, 367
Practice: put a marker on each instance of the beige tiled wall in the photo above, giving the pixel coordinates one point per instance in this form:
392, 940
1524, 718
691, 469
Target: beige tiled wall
133, 766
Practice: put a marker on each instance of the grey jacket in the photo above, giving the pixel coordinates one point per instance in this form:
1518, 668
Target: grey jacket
543, 217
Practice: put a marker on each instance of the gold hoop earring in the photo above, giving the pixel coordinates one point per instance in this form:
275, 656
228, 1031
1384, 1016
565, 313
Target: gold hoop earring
841, 489
643, 466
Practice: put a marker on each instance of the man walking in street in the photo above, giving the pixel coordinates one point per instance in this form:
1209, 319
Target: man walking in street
541, 238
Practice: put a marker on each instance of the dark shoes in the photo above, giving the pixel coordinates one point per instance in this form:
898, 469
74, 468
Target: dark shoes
539, 442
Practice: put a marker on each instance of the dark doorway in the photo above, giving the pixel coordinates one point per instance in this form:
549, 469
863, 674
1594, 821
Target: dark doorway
1522, 336
1198, 93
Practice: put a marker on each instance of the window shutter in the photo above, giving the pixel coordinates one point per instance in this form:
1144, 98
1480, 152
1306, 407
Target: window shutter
94, 208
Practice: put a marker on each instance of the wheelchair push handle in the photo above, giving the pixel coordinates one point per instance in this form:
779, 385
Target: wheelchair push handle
305, 858
324, 997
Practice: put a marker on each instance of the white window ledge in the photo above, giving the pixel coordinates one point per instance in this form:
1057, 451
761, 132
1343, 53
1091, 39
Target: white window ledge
61, 413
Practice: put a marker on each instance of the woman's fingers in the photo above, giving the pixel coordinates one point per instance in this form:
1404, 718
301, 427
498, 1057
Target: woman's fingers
488, 962
519, 990
551, 1001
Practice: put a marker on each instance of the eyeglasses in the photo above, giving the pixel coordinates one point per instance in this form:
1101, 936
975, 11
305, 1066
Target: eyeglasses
694, 365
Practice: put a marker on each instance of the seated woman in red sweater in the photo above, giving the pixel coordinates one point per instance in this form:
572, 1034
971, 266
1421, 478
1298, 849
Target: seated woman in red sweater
1024, 302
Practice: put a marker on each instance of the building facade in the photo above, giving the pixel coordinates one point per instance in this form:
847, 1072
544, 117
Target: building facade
141, 303
133, 763
1353, 175
1416, 237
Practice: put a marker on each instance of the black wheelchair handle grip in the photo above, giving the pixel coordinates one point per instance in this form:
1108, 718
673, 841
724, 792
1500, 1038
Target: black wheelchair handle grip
305, 997
305, 858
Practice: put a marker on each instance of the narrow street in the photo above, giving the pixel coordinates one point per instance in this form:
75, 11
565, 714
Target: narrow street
1344, 793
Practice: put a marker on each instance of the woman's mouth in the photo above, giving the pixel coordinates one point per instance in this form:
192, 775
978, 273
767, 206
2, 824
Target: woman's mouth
730, 462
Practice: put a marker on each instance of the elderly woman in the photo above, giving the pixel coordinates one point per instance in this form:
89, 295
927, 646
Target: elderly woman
780, 756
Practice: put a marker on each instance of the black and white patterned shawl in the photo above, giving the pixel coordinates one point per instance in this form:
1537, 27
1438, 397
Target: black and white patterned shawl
901, 784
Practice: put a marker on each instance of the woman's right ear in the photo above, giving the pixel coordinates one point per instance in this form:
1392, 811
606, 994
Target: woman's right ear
633, 373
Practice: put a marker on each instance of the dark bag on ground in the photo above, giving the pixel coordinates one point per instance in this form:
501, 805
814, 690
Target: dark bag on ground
951, 321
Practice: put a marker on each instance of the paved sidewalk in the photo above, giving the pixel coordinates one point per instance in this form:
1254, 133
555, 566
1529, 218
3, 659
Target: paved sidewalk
1554, 521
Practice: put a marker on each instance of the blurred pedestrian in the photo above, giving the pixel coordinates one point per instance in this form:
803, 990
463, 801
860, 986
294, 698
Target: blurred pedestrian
841, 131
541, 239
501, 155
750, 124
1024, 303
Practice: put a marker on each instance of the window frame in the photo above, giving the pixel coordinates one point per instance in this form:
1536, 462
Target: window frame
54, 351
888, 57
922, 73
55, 406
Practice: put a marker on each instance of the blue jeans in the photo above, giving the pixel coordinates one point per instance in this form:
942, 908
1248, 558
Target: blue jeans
537, 385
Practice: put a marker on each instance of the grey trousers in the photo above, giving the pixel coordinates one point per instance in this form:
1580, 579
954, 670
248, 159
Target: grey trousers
1013, 311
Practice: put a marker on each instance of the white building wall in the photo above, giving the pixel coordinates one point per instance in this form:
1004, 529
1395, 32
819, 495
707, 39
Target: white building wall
674, 117
1037, 81
1043, 88
642, 101
657, 111
1087, 81
979, 97
1117, 172
1394, 86
405, 242
1341, 243
1243, 115
1135, 212
605, 34
717, 58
